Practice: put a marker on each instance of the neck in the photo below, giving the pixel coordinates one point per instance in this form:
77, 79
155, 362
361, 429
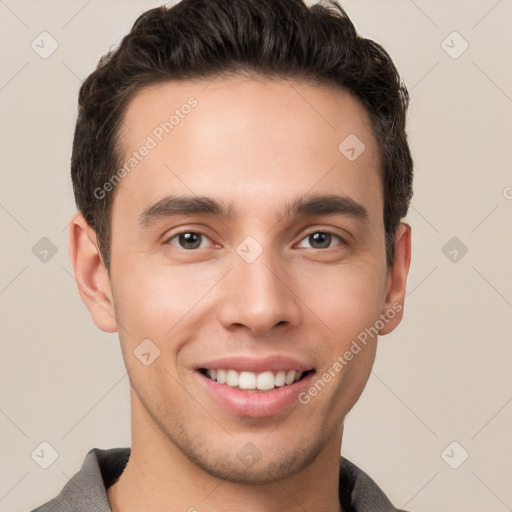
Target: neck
158, 477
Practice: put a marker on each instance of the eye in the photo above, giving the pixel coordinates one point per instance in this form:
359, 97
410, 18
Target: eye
189, 240
321, 240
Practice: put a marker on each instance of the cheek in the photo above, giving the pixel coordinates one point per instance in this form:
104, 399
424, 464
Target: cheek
347, 297
154, 302
349, 305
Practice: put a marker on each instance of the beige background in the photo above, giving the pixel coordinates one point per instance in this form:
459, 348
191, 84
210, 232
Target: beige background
442, 376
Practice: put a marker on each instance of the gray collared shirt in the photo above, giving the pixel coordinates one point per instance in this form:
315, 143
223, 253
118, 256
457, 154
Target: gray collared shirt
86, 491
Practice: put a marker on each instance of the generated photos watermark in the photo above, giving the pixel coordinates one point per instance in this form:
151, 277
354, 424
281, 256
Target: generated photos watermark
343, 359
152, 140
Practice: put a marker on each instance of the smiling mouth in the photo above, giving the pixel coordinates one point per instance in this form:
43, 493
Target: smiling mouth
254, 382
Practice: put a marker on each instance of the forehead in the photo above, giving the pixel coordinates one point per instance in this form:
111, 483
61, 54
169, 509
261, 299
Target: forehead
246, 141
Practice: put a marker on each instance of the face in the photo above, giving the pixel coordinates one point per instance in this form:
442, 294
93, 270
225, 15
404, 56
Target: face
248, 247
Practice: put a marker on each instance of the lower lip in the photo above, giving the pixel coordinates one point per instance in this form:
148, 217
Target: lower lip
254, 404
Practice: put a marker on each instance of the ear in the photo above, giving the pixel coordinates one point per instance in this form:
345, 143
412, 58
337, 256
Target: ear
90, 274
396, 279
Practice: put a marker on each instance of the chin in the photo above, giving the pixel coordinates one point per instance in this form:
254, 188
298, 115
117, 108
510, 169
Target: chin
249, 466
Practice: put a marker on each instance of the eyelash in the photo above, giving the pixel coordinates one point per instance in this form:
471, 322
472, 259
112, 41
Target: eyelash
307, 235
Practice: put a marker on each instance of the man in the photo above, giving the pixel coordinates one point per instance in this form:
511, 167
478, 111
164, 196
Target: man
241, 170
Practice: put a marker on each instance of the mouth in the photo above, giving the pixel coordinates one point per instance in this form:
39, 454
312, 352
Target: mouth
255, 388
254, 382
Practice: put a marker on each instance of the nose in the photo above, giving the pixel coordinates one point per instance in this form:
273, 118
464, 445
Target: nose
259, 296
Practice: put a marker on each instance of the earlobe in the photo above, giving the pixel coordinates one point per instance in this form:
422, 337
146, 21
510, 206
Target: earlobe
91, 275
397, 279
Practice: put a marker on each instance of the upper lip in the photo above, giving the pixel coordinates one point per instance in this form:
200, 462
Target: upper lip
256, 364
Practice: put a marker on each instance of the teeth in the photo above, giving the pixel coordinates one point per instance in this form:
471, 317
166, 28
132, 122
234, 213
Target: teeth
280, 378
265, 381
248, 380
232, 378
290, 377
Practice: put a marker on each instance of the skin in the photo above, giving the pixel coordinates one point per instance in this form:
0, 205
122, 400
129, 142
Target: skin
258, 144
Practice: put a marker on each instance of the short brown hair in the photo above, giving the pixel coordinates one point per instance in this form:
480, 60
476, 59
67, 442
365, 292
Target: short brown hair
198, 39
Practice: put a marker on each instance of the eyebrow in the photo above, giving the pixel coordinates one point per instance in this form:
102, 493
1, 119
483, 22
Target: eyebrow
300, 207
